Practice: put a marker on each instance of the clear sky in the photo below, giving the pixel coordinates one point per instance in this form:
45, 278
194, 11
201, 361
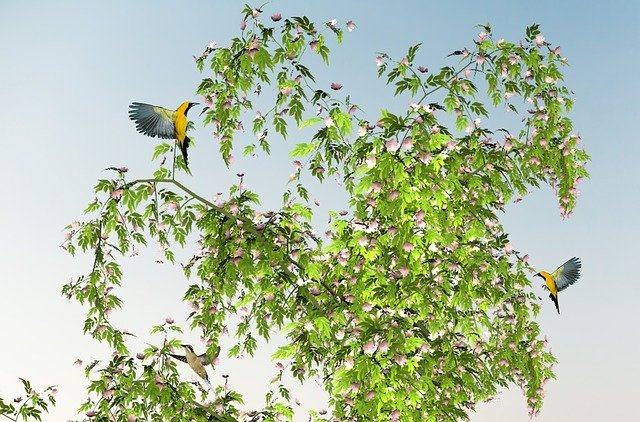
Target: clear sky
69, 70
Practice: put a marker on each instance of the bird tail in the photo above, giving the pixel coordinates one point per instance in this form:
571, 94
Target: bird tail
555, 301
184, 145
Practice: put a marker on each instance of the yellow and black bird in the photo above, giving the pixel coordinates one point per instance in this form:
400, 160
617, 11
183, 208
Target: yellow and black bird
196, 362
164, 123
563, 277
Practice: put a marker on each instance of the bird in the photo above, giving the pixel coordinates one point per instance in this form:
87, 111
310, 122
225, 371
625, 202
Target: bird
196, 362
563, 277
164, 123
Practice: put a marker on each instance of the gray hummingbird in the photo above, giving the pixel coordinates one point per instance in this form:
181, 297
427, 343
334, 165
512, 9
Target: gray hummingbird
196, 362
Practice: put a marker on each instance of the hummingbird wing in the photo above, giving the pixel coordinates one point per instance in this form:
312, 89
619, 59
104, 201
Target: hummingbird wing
153, 120
179, 357
567, 274
205, 360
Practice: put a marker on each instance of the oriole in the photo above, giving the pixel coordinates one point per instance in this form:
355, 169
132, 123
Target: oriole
164, 123
196, 362
563, 277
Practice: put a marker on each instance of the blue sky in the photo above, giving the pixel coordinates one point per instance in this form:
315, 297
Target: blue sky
69, 70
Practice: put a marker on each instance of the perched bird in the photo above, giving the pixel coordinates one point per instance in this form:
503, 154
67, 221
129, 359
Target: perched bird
563, 277
196, 362
164, 123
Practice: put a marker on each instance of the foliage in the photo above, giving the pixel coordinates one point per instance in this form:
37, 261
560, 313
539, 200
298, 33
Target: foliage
31, 408
414, 306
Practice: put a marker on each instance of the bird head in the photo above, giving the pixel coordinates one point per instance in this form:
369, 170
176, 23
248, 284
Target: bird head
188, 347
189, 106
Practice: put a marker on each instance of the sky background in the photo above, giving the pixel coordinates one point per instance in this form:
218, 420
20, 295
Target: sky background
69, 70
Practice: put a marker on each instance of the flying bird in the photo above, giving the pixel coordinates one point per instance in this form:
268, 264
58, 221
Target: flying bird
563, 277
196, 362
163, 123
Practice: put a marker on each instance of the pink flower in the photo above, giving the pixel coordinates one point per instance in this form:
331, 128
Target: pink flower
383, 347
90, 413
407, 144
408, 246
371, 161
336, 86
328, 122
400, 360
286, 90
332, 23
369, 348
392, 145
422, 69
482, 36
404, 271
425, 157
116, 194
539, 40
350, 26
395, 416
480, 59
269, 297
354, 387
169, 320
276, 17
243, 25
370, 395
367, 307
508, 249
394, 195
379, 61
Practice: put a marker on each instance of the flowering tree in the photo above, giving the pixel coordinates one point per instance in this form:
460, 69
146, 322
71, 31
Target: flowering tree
413, 306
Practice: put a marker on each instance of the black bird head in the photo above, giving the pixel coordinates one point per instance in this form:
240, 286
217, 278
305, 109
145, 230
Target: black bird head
188, 346
189, 106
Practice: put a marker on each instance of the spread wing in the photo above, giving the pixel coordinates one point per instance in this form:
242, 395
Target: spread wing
179, 357
204, 358
567, 274
153, 120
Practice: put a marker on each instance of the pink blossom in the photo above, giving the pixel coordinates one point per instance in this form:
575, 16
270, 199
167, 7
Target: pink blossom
480, 59
394, 195
336, 86
539, 40
350, 26
482, 36
367, 307
392, 145
425, 157
243, 25
286, 90
91, 413
383, 347
369, 348
371, 161
354, 387
276, 17
116, 194
407, 144
379, 61
395, 416
422, 69
404, 271
332, 23
408, 246
370, 395
508, 249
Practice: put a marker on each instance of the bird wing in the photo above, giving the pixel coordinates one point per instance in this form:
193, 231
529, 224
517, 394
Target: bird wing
567, 274
153, 120
205, 360
179, 357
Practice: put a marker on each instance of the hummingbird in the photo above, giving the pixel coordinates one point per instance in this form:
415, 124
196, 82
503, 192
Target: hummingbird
196, 362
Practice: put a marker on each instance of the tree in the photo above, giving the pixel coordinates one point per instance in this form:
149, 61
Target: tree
414, 306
